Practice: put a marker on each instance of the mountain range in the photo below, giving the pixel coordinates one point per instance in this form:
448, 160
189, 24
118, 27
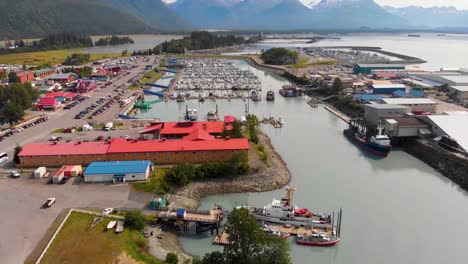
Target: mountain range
34, 18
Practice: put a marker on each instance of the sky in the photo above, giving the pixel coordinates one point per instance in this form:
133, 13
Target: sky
460, 4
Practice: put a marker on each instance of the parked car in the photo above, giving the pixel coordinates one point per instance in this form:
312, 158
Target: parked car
14, 174
49, 202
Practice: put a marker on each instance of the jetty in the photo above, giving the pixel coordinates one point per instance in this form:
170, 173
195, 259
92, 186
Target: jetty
338, 113
209, 220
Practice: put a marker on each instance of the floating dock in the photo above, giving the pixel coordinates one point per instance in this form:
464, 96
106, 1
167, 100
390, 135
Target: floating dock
205, 220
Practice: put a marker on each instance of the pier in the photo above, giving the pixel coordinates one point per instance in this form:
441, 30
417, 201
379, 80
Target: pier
204, 220
337, 113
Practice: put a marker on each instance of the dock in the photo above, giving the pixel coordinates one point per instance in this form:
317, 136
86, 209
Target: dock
294, 231
337, 113
205, 220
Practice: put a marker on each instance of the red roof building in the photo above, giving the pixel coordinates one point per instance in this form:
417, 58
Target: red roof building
25, 76
182, 129
62, 96
48, 103
198, 134
228, 120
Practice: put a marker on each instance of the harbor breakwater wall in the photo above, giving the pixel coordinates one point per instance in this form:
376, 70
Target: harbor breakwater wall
451, 165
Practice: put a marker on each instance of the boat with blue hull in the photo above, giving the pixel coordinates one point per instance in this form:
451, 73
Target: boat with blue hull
378, 145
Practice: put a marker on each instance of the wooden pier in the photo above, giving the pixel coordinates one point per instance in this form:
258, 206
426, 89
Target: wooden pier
338, 113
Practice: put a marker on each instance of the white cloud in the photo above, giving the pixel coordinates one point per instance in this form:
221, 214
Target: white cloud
460, 4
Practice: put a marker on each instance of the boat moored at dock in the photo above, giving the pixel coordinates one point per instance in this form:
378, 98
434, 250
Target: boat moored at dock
270, 96
378, 145
290, 90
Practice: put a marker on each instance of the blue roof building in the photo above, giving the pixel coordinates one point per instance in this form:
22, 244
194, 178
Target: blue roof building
118, 171
366, 98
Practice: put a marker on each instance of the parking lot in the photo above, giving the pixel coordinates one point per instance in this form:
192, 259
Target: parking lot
24, 223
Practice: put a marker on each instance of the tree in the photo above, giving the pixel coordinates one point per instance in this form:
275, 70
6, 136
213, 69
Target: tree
12, 77
214, 257
125, 53
248, 243
171, 258
135, 220
236, 131
280, 56
11, 113
337, 86
16, 159
182, 174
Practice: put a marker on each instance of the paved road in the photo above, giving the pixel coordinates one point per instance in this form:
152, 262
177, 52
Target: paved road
65, 118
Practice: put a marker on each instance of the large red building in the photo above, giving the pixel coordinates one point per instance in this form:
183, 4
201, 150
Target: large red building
197, 146
25, 76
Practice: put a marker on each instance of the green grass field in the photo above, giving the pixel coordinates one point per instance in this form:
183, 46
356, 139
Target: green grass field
77, 244
153, 77
50, 57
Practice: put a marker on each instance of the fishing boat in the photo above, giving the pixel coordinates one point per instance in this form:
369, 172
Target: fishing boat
180, 98
285, 212
191, 114
378, 145
120, 227
111, 224
255, 96
213, 115
290, 90
317, 239
270, 96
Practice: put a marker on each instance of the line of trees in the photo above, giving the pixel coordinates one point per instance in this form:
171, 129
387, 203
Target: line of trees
14, 99
54, 41
280, 56
196, 41
185, 173
114, 40
82, 72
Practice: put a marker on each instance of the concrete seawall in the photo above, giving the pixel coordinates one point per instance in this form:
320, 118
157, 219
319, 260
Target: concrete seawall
451, 165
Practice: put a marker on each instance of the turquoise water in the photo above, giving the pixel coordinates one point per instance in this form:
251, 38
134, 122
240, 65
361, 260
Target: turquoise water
395, 210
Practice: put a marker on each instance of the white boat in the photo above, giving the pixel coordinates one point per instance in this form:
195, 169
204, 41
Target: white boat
120, 227
281, 121
285, 212
111, 224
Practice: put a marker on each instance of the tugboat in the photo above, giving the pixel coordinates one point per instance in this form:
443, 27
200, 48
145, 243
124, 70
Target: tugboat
284, 212
378, 145
191, 114
270, 96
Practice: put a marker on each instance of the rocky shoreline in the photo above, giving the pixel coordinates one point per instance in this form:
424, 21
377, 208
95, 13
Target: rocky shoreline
274, 177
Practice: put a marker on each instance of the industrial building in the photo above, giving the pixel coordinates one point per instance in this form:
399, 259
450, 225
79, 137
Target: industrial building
198, 146
387, 88
416, 104
405, 127
374, 113
370, 68
25, 76
452, 126
118, 171
44, 72
62, 77
442, 79
458, 93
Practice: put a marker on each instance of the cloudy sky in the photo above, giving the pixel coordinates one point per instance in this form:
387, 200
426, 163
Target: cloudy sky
460, 4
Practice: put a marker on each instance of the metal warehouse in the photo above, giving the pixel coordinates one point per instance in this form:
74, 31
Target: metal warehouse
118, 171
370, 68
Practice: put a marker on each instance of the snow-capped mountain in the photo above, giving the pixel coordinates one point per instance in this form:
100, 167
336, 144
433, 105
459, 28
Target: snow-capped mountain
310, 3
443, 16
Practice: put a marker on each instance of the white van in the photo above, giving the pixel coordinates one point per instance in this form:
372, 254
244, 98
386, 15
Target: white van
3, 157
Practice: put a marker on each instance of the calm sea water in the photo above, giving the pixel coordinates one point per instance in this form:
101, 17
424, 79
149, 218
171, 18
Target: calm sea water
395, 210
141, 42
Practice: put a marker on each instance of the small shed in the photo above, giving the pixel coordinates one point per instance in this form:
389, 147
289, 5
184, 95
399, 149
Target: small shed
73, 171
181, 213
58, 176
40, 172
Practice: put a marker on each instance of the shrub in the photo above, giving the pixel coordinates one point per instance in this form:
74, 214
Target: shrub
171, 258
135, 220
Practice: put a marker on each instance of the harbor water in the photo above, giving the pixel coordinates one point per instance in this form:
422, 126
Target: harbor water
395, 210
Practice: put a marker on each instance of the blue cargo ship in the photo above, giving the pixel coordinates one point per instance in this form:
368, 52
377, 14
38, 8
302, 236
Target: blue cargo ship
378, 145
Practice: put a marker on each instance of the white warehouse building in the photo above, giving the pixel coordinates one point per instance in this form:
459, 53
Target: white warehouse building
374, 113
416, 104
